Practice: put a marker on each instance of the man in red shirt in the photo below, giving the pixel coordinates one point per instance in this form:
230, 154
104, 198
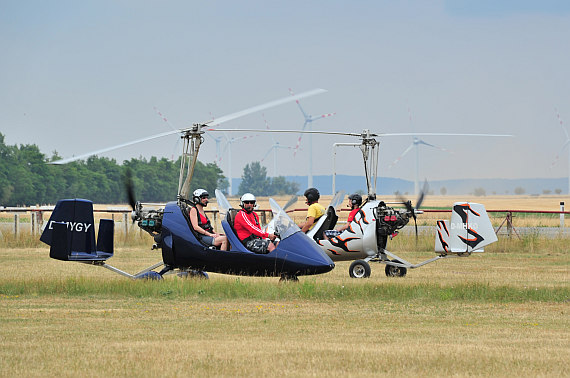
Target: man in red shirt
248, 229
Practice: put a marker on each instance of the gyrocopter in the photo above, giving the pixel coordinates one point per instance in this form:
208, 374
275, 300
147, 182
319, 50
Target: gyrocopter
70, 231
376, 221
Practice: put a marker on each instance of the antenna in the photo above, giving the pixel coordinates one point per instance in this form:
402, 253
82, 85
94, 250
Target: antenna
308, 121
563, 146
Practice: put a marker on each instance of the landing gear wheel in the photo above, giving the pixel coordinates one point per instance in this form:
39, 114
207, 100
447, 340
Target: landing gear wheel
359, 269
395, 271
288, 278
151, 276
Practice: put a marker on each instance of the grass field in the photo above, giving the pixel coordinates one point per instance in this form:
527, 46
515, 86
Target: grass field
501, 313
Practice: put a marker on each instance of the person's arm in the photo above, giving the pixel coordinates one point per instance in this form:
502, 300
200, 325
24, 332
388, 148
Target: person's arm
194, 221
308, 223
249, 226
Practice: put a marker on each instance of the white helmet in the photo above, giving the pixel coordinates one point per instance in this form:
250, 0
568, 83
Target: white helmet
246, 197
199, 194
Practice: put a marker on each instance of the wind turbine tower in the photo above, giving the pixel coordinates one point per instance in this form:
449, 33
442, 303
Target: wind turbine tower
415, 143
308, 121
563, 147
274, 147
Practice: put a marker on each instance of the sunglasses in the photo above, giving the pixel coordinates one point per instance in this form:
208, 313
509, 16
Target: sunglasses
249, 202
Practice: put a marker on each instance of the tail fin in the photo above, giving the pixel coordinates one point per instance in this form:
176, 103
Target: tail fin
469, 230
71, 235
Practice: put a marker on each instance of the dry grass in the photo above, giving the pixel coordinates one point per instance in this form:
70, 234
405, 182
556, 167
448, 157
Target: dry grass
159, 332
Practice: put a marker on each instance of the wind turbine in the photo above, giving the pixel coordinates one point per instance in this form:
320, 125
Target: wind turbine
415, 143
308, 120
274, 147
563, 147
228, 148
165, 119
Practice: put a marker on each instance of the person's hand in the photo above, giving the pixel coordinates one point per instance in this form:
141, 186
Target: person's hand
272, 237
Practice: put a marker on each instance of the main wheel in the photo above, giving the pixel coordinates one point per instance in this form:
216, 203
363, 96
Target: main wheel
288, 278
395, 271
359, 269
152, 275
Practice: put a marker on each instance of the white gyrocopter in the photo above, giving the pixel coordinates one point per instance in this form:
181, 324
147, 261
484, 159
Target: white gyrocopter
366, 237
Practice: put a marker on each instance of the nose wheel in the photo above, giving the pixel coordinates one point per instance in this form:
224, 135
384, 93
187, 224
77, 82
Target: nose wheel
359, 269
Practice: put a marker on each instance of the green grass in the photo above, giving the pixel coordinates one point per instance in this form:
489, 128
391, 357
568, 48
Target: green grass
307, 290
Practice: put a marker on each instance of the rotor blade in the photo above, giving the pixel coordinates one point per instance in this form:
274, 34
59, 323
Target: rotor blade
401, 156
292, 131
271, 104
442, 134
82, 156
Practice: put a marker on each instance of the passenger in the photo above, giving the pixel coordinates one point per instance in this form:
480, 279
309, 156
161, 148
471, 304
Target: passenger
248, 229
201, 224
354, 202
315, 210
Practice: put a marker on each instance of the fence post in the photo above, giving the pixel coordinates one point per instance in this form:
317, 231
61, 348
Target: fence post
16, 225
126, 227
562, 214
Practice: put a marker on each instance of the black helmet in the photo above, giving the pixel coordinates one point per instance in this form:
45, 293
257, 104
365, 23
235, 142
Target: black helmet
355, 199
312, 195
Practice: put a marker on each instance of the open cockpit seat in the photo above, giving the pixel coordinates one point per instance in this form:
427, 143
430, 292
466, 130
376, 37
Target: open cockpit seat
186, 212
325, 222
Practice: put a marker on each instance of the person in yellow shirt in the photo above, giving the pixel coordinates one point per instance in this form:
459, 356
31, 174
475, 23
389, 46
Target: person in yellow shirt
315, 210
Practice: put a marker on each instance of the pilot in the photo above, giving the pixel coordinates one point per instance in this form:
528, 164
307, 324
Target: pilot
354, 202
248, 229
315, 210
201, 224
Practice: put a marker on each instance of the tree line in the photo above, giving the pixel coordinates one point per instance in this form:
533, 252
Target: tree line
26, 178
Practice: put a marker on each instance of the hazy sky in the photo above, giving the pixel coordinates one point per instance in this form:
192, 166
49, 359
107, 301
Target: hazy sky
78, 76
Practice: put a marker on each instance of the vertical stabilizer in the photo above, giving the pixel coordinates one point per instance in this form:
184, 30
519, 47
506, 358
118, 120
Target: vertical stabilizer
468, 231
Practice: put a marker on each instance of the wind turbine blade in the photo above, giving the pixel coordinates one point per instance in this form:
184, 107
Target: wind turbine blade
79, 157
401, 156
305, 115
267, 153
419, 141
559, 153
561, 124
267, 105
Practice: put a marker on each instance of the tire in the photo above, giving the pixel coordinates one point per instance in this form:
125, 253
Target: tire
395, 271
288, 278
359, 269
151, 276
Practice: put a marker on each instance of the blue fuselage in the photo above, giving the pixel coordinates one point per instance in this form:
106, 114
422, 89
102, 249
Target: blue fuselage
295, 255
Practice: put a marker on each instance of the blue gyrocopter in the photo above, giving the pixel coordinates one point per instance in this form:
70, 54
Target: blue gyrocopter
70, 231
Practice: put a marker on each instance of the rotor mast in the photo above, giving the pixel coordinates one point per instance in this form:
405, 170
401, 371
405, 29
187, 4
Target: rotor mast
191, 145
369, 148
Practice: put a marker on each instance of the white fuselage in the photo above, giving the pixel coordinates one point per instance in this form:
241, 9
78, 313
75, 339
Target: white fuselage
358, 241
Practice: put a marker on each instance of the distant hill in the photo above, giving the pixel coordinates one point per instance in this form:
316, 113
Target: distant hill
390, 185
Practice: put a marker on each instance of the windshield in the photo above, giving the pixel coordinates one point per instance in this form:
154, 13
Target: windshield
223, 204
284, 225
337, 199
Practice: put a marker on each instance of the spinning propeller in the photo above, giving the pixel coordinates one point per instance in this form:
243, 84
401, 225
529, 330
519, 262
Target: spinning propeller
410, 208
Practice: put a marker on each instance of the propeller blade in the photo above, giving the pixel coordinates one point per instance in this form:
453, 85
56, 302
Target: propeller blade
422, 194
290, 203
130, 188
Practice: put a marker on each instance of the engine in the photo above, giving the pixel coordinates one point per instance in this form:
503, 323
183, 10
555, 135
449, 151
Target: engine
149, 220
389, 220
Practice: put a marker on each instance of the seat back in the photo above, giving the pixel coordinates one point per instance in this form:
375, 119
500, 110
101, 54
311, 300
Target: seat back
325, 222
